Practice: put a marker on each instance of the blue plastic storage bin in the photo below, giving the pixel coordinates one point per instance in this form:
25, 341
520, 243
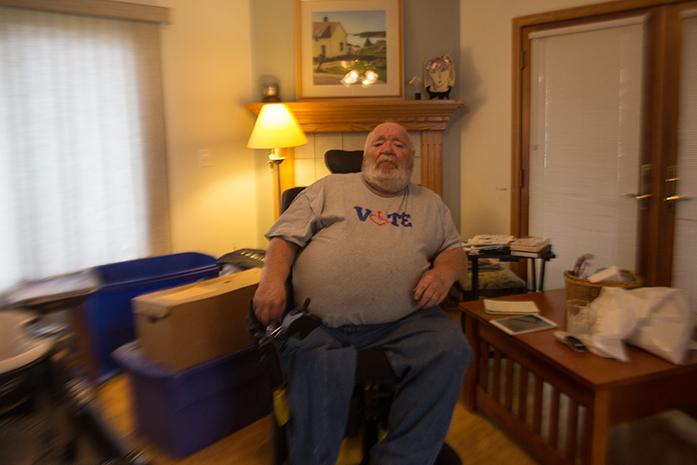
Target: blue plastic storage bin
108, 315
182, 412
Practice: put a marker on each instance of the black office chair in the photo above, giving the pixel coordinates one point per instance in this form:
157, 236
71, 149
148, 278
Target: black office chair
343, 161
376, 382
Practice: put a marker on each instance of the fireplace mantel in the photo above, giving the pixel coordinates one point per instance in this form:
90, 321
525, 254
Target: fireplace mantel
362, 115
429, 117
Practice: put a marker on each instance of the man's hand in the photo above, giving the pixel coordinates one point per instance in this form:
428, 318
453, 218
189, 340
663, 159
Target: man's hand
431, 289
269, 301
435, 283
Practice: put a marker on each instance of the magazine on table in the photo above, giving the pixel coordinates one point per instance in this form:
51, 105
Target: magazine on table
508, 307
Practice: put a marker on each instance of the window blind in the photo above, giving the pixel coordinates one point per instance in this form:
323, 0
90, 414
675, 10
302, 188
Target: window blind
586, 96
83, 179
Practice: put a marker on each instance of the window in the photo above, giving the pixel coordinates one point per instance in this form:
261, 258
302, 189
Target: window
83, 179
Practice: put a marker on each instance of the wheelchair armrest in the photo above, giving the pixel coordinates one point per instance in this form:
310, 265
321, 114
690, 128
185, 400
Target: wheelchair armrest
272, 339
255, 327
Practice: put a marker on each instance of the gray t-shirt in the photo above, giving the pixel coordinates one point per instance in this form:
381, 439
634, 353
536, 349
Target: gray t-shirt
363, 253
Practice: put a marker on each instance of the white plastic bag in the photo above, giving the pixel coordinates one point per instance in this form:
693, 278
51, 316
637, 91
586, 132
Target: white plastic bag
666, 327
616, 317
657, 319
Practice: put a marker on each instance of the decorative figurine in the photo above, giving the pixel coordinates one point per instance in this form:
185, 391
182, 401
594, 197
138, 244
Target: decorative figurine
439, 77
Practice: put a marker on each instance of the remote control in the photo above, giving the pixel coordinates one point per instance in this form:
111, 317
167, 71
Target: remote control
571, 341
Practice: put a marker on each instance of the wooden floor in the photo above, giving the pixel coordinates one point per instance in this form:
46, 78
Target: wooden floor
477, 440
666, 439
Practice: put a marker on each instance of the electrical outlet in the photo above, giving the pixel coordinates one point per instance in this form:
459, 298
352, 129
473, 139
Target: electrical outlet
204, 158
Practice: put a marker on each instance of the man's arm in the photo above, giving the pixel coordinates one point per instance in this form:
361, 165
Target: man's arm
270, 297
434, 284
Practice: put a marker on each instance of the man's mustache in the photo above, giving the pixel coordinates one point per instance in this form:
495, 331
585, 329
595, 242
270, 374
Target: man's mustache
389, 161
386, 157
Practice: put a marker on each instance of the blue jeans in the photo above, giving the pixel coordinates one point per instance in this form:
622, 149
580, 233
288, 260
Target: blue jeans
427, 352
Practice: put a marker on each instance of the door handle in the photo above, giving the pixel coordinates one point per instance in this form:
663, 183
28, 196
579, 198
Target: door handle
672, 187
676, 198
644, 193
638, 196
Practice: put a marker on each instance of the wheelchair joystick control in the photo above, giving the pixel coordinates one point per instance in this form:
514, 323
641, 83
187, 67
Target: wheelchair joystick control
271, 340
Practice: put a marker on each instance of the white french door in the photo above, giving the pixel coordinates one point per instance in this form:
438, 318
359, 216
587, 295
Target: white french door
605, 137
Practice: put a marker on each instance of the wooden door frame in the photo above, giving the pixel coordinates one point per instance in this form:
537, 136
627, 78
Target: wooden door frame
663, 224
659, 132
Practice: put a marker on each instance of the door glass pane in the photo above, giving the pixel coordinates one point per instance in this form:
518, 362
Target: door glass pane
586, 89
685, 249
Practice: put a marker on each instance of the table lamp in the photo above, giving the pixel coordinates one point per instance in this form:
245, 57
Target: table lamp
276, 128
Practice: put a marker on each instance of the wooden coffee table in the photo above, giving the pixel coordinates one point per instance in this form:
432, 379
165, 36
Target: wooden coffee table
559, 403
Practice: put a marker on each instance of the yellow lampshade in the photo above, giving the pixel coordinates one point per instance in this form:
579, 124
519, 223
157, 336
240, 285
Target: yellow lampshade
276, 127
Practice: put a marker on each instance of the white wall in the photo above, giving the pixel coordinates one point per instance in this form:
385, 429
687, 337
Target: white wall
485, 80
206, 55
207, 80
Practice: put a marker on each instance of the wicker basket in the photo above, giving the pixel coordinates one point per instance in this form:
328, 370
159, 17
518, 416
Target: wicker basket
585, 290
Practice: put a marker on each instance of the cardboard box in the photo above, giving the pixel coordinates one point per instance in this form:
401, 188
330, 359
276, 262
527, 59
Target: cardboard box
188, 325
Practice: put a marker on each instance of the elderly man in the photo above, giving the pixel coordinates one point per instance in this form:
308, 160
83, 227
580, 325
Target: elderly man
376, 254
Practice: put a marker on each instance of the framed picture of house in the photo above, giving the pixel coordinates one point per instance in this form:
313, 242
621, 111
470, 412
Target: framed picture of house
349, 48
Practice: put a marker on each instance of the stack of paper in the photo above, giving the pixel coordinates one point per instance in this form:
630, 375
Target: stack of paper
530, 244
611, 273
506, 307
489, 240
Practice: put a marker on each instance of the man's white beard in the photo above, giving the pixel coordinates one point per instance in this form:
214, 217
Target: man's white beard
386, 179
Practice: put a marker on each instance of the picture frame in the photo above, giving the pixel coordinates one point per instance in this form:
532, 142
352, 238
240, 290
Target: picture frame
349, 48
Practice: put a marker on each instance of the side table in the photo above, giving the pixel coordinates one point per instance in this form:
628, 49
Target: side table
560, 404
475, 254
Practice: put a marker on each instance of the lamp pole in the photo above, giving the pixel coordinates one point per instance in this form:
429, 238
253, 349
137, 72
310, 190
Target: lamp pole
275, 165
275, 160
